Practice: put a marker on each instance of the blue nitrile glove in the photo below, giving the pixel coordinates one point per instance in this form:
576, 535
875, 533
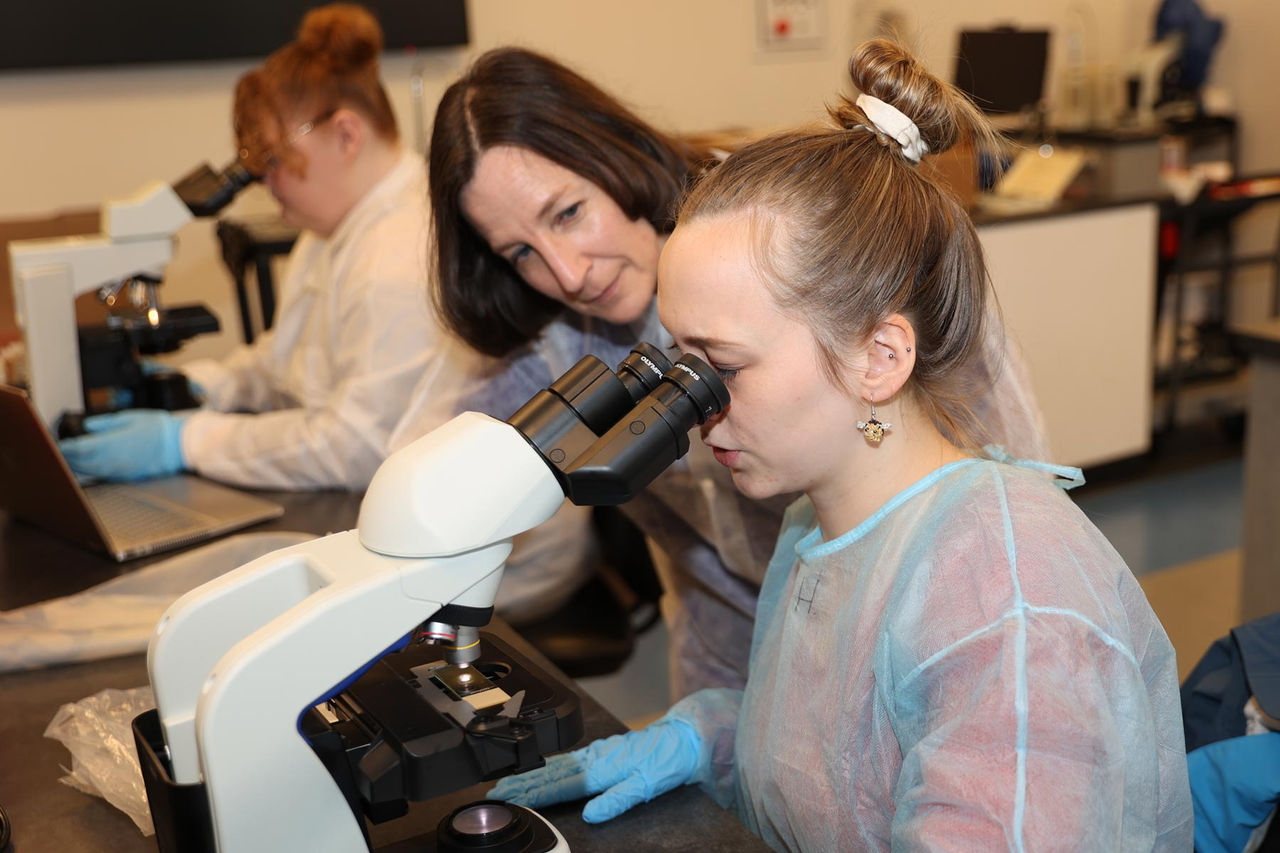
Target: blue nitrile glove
1235, 784
150, 367
135, 444
630, 769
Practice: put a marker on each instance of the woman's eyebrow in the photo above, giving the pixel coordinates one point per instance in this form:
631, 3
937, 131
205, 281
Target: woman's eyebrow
705, 343
553, 200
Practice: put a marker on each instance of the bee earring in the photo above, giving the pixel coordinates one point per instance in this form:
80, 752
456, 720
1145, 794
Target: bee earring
874, 429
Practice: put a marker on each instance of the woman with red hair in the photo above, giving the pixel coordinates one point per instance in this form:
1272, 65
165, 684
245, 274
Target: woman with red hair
312, 402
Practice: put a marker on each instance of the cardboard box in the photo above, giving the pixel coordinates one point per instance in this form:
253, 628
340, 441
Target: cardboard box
955, 170
58, 225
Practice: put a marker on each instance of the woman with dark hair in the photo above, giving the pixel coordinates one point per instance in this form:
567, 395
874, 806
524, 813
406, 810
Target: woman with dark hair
551, 204
948, 655
514, 99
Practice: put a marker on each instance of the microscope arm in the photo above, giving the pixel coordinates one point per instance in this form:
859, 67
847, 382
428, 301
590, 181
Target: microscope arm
235, 662
137, 238
48, 275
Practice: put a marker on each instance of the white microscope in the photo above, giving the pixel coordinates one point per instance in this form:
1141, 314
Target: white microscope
124, 263
1149, 74
254, 672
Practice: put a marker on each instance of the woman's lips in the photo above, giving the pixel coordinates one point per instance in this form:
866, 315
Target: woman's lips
603, 296
727, 458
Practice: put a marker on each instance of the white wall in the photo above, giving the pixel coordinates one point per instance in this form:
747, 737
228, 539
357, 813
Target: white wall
74, 137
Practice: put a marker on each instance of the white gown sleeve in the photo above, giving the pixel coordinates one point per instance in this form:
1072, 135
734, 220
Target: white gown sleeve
386, 339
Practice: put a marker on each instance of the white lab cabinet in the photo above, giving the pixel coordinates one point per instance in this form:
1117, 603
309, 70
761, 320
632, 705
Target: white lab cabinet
1078, 295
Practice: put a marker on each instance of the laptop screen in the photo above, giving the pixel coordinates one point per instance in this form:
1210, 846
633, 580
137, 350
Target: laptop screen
1002, 69
35, 483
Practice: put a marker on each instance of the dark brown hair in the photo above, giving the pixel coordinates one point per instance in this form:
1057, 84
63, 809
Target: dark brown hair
512, 96
850, 231
332, 64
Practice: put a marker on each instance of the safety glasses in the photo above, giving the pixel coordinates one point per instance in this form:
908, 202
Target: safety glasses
263, 163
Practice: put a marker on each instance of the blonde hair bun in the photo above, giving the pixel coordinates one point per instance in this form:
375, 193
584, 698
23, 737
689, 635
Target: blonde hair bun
942, 113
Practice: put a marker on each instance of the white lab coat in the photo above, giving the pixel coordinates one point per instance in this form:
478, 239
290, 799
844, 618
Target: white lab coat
353, 335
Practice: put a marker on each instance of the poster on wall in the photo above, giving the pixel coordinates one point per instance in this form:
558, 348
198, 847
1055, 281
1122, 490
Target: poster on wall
73, 33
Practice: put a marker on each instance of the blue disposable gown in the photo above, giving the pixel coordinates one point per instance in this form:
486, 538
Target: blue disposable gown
971, 668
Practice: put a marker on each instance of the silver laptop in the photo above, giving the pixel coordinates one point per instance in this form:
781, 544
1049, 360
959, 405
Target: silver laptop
126, 520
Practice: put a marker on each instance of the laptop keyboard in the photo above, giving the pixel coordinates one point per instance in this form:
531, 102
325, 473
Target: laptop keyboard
131, 516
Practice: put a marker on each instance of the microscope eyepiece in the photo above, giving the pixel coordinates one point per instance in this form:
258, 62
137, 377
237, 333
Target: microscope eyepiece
236, 175
605, 445
589, 394
701, 383
642, 370
205, 192
654, 434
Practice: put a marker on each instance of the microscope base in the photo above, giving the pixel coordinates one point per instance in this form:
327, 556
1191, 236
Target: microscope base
386, 741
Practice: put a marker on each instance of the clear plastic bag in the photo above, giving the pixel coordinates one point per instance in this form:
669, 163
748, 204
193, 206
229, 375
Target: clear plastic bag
104, 761
114, 618
119, 616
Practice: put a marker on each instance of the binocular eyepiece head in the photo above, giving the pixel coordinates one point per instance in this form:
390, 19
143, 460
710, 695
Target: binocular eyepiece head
608, 434
206, 192
647, 367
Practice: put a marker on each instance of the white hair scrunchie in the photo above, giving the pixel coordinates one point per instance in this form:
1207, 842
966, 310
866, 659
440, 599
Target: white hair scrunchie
891, 121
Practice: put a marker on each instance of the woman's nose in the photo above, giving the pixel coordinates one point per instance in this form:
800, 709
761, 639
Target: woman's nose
712, 422
569, 266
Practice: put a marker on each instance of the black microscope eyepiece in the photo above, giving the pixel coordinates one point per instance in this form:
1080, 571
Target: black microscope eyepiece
205, 192
607, 435
642, 370
700, 382
589, 394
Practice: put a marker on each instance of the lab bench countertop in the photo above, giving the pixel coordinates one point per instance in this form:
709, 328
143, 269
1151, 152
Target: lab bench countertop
50, 817
1259, 338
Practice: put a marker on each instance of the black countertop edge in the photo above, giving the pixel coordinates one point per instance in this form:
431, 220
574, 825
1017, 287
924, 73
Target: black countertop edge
1259, 339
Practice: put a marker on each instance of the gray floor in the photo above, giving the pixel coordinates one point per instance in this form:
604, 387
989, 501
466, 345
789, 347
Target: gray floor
1156, 523
638, 692
1161, 522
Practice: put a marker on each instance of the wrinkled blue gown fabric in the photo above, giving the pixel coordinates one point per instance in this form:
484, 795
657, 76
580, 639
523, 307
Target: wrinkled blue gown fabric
1234, 761
973, 667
